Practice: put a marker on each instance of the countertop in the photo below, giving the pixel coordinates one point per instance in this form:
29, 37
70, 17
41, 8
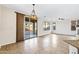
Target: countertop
74, 43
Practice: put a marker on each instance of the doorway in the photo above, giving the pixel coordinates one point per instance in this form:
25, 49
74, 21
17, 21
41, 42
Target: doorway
30, 28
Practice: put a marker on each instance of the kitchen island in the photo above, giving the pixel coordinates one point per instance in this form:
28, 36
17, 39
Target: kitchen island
73, 46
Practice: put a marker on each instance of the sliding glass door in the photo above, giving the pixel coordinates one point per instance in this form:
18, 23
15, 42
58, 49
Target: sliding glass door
30, 28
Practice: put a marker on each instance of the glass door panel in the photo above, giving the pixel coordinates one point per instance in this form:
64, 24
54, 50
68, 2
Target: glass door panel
30, 28
27, 29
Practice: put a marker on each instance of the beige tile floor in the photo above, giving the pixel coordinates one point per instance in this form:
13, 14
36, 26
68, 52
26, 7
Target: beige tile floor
49, 44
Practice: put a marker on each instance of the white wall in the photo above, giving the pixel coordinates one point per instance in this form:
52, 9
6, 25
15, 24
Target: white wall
7, 26
0, 26
64, 27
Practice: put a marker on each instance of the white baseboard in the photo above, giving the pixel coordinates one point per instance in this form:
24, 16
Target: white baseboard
64, 34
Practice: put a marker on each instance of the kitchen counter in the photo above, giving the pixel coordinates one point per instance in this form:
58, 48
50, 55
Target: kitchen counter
74, 43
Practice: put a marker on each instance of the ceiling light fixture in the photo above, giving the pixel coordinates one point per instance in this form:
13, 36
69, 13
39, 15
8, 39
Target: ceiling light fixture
33, 14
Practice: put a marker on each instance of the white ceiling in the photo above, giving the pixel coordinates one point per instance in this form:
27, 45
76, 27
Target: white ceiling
48, 10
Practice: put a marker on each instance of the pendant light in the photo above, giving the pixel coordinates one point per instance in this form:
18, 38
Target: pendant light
33, 14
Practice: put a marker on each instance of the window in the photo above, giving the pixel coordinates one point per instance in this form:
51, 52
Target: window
46, 25
54, 26
73, 25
